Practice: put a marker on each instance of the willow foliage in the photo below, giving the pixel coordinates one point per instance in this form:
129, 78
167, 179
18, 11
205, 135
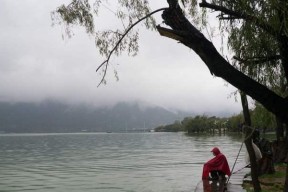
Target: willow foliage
253, 36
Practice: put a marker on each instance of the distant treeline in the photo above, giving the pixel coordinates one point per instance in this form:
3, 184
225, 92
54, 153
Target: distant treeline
261, 119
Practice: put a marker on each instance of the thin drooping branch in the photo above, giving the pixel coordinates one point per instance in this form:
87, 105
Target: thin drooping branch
257, 60
241, 15
106, 62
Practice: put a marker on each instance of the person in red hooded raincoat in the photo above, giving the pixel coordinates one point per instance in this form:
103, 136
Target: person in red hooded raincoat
216, 167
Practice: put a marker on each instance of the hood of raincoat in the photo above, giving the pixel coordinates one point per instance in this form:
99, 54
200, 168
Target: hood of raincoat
215, 150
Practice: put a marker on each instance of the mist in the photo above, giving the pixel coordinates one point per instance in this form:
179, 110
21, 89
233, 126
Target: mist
37, 63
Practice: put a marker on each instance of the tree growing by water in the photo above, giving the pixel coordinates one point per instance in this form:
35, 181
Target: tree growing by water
262, 119
204, 124
242, 20
175, 127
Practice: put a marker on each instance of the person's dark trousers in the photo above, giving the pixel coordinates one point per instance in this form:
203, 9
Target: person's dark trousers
214, 175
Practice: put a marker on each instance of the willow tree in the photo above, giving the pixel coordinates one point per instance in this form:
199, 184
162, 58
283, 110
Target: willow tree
182, 23
261, 52
260, 47
257, 43
260, 117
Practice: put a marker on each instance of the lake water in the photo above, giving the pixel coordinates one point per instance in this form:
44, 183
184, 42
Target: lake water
108, 162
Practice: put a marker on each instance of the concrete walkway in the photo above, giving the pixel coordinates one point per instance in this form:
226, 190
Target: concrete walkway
236, 181
234, 184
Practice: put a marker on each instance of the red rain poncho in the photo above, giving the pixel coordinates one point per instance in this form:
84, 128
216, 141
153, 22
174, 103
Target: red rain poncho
218, 163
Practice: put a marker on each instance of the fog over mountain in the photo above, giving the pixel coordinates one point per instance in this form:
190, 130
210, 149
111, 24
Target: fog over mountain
53, 116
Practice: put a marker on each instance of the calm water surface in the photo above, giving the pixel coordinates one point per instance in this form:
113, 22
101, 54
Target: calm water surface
108, 162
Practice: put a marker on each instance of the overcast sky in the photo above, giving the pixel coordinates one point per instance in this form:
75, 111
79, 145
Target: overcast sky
37, 64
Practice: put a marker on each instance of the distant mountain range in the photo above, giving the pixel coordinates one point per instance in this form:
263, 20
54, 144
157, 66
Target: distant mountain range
51, 116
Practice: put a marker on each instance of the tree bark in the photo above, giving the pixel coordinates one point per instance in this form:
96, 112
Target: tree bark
248, 143
286, 179
279, 129
245, 108
183, 31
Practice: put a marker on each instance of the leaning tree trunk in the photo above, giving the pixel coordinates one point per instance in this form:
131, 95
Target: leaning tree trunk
248, 143
183, 31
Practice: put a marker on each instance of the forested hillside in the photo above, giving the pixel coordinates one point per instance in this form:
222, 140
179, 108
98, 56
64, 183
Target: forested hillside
53, 116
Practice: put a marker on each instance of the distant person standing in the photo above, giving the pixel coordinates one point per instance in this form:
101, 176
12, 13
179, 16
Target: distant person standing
216, 167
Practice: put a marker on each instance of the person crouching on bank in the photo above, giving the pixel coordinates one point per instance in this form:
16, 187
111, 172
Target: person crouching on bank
217, 167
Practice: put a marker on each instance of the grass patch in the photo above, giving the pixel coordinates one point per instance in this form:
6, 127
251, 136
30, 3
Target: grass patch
271, 136
270, 182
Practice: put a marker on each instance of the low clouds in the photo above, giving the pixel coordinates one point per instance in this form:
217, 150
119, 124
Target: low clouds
36, 64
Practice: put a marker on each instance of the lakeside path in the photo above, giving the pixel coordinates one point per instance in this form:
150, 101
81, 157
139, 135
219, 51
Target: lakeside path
234, 184
236, 181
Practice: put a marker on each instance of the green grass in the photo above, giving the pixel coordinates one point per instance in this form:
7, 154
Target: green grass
270, 182
269, 135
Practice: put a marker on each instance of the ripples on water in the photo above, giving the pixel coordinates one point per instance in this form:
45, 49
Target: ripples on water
108, 162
